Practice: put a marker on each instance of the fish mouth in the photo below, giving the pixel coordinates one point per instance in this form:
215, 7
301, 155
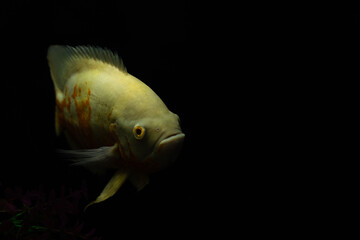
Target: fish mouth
173, 138
168, 150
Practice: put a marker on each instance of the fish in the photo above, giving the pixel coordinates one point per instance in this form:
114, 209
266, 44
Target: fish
111, 119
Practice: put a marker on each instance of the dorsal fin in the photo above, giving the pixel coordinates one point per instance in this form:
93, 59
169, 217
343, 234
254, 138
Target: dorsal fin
64, 59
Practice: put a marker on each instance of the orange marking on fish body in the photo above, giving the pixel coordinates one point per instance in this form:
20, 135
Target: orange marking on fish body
68, 104
74, 95
61, 104
80, 131
83, 112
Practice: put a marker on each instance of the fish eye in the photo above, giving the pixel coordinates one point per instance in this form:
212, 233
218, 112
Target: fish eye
139, 132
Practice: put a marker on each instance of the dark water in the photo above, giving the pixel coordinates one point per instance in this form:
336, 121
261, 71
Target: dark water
222, 75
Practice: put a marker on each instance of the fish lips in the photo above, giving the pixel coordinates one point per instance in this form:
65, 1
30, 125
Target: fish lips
169, 149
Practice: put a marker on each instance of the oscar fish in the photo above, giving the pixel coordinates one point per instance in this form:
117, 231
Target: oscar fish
111, 119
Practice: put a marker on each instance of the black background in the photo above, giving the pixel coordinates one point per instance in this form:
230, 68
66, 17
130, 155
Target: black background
241, 78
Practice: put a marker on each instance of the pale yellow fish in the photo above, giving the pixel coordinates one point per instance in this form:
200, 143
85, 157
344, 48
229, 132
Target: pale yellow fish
110, 118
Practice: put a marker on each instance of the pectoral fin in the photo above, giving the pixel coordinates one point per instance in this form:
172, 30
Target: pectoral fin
97, 160
111, 188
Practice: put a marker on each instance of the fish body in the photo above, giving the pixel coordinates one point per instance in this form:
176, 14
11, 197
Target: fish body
110, 118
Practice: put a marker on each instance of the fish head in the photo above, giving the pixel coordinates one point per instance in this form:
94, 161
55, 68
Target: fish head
152, 143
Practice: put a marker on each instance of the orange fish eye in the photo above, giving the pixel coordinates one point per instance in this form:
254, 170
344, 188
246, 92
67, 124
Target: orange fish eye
139, 132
